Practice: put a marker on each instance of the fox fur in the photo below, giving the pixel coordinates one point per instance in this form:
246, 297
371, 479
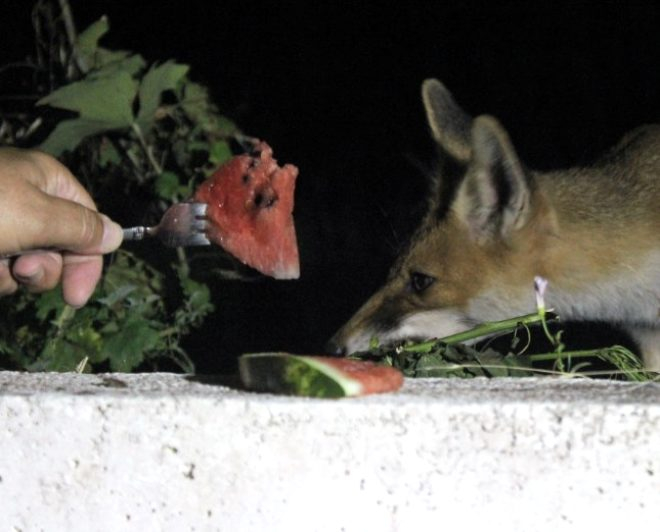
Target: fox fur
493, 225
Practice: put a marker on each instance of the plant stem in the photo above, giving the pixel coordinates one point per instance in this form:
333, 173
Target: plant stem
485, 329
184, 270
544, 324
184, 361
147, 149
586, 353
69, 25
72, 36
65, 315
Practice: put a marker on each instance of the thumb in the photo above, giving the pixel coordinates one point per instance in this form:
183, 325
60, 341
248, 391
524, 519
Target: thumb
70, 226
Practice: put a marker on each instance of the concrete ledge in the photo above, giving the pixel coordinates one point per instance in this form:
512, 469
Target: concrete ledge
166, 452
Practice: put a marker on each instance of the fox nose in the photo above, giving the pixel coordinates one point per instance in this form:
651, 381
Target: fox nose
332, 347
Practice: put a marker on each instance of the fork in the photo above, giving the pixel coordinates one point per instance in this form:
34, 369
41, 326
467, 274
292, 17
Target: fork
182, 224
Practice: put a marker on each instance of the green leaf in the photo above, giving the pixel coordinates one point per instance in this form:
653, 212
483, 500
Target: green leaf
199, 297
197, 302
129, 270
88, 40
58, 355
196, 145
87, 339
108, 154
167, 185
117, 295
103, 104
100, 61
110, 62
48, 302
220, 152
127, 348
197, 104
159, 79
107, 99
68, 134
224, 126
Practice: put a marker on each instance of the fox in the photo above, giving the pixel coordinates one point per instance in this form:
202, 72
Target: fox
492, 225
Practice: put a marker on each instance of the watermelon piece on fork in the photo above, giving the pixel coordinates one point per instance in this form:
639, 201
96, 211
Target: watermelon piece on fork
250, 211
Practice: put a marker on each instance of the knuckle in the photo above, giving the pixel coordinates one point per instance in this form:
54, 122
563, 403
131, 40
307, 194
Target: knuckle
91, 229
84, 230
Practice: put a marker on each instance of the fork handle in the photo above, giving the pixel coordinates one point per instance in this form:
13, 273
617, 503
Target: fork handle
136, 233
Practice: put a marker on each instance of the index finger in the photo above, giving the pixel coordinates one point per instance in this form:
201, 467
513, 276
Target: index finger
53, 222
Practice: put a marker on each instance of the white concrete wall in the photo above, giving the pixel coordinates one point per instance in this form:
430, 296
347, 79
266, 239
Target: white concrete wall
159, 452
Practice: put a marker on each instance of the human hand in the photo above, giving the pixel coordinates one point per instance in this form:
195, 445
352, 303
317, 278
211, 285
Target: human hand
43, 207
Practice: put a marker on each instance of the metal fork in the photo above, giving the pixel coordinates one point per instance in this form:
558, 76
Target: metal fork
183, 224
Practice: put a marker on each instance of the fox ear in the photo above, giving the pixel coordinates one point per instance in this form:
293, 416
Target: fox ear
449, 124
494, 197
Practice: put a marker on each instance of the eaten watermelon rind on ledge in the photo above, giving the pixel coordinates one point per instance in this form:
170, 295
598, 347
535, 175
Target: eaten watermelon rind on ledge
315, 376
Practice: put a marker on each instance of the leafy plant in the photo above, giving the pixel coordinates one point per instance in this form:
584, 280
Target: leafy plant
444, 358
451, 356
138, 136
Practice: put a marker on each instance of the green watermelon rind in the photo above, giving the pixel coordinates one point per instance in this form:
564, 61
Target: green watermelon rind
284, 373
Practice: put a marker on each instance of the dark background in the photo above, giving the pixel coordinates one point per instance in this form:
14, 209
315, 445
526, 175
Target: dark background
334, 88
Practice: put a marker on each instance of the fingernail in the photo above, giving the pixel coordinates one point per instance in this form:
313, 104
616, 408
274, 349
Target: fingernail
112, 235
30, 278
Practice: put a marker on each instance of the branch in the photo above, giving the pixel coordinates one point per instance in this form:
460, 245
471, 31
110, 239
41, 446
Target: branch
147, 149
69, 25
75, 60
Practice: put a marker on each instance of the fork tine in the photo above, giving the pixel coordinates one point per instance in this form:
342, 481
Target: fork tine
199, 209
182, 224
191, 239
198, 239
198, 225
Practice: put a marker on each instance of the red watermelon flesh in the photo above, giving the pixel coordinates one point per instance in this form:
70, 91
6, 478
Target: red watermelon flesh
250, 210
373, 378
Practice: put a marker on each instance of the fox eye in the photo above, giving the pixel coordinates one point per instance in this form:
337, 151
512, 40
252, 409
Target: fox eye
420, 282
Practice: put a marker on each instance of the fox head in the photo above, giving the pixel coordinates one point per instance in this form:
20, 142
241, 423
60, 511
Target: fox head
478, 248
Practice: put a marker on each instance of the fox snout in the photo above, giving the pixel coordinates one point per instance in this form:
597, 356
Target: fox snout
406, 307
358, 335
492, 225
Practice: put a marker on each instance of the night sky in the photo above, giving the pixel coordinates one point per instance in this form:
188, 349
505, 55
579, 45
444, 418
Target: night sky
334, 88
